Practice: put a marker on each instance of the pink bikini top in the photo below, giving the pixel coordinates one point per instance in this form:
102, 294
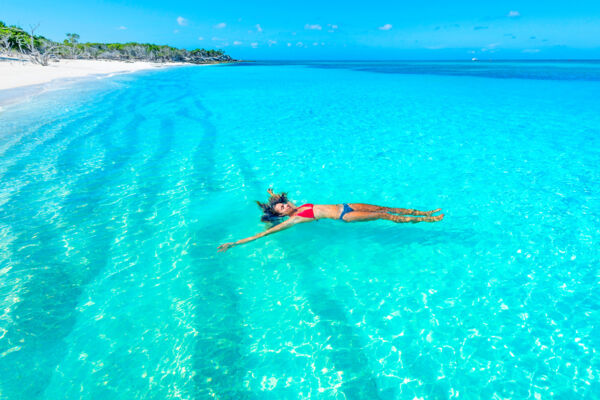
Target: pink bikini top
306, 213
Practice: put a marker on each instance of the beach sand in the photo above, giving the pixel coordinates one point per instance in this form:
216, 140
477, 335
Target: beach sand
15, 74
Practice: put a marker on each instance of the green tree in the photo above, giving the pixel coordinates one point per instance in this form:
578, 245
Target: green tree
73, 38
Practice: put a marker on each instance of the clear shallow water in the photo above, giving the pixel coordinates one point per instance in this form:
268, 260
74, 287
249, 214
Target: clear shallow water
114, 195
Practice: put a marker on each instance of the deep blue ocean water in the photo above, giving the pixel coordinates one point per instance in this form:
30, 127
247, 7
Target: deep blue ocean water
115, 193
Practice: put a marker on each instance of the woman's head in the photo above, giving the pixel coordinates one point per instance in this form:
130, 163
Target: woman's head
276, 208
283, 208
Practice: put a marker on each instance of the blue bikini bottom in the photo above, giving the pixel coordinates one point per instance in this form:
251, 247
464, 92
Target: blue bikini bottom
345, 211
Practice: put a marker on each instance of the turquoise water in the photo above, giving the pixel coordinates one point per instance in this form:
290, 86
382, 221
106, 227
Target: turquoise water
115, 193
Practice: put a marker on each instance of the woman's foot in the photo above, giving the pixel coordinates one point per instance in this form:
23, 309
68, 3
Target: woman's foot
436, 218
432, 211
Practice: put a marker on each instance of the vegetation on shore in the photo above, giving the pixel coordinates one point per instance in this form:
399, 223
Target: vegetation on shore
15, 41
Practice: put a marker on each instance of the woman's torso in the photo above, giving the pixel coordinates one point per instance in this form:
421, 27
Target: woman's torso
320, 211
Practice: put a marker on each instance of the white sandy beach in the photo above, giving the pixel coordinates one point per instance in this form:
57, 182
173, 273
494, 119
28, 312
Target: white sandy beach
14, 74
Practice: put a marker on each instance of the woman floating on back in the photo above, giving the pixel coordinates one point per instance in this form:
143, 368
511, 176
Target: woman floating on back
279, 206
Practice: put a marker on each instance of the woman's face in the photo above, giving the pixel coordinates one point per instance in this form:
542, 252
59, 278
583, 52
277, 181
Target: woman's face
282, 208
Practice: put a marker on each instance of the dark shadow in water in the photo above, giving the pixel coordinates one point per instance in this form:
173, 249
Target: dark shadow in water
69, 117
204, 156
537, 70
151, 183
409, 234
46, 312
346, 340
217, 360
17, 170
70, 162
348, 355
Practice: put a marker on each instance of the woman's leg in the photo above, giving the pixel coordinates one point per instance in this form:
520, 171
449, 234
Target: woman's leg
359, 216
404, 211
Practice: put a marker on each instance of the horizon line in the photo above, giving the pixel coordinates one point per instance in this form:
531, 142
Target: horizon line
430, 60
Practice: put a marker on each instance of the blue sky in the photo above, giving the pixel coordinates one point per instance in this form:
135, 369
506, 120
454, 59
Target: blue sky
329, 29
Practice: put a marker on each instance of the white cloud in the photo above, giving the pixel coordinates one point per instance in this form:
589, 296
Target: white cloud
217, 39
272, 42
385, 27
258, 28
122, 28
530, 51
513, 14
220, 25
289, 44
200, 38
182, 21
299, 44
315, 27
332, 28
322, 43
254, 45
237, 43
315, 44
175, 30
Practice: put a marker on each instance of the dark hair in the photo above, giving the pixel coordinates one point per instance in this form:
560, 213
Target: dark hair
268, 209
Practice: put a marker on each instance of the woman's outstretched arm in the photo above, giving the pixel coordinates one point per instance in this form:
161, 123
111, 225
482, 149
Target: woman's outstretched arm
284, 225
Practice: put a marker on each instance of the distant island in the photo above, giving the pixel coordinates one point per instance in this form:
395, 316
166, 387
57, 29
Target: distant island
16, 42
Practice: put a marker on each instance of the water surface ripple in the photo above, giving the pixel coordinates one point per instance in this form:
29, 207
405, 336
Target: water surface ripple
115, 193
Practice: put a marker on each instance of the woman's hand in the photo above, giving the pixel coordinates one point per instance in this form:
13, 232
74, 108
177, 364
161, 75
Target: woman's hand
273, 195
225, 247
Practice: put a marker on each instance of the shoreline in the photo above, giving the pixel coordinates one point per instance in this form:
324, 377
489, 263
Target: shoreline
18, 73
21, 79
